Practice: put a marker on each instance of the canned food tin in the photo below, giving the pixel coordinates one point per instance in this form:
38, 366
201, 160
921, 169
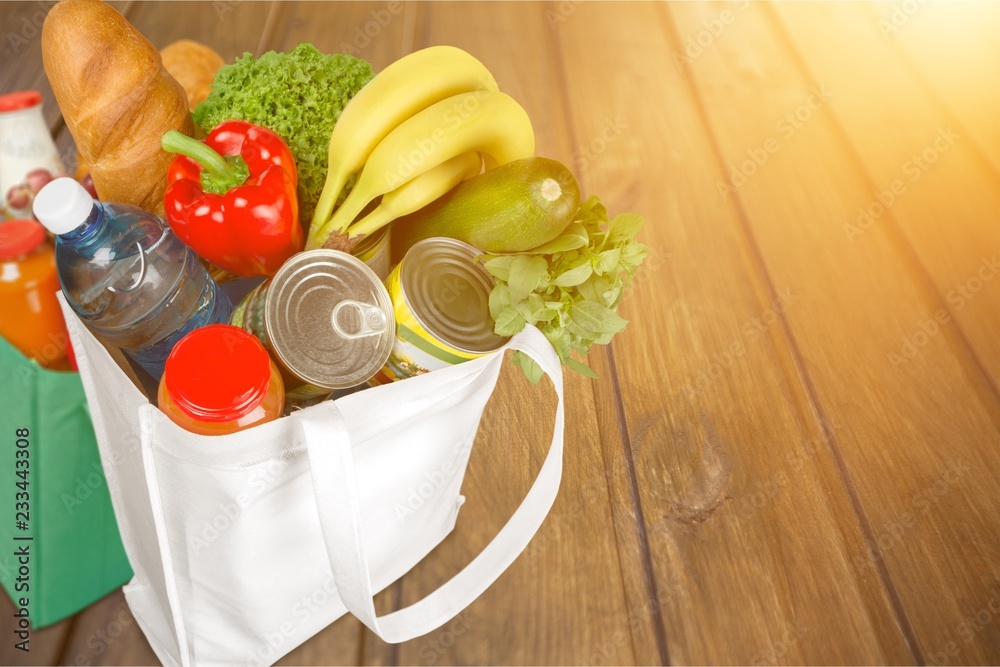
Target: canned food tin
373, 250
441, 297
325, 318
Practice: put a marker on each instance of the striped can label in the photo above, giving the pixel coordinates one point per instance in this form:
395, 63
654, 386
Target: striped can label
415, 350
440, 299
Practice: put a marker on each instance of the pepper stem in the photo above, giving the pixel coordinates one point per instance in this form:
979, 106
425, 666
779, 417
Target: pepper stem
219, 173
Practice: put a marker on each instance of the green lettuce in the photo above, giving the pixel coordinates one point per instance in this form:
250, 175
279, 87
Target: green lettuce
299, 95
569, 288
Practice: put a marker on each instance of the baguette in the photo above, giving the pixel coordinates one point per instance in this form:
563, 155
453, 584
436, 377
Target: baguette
116, 97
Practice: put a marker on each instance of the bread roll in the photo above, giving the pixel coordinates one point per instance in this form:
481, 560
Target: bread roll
116, 97
194, 65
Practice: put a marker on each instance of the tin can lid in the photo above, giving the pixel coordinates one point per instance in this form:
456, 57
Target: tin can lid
448, 292
329, 319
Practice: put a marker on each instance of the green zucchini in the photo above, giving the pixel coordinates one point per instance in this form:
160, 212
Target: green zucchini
512, 208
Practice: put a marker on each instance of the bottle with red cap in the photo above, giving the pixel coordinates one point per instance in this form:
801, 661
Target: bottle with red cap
30, 317
28, 157
219, 379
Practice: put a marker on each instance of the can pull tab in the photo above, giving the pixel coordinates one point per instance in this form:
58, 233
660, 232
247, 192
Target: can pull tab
373, 319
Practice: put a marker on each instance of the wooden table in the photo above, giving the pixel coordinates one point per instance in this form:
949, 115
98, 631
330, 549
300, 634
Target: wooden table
790, 454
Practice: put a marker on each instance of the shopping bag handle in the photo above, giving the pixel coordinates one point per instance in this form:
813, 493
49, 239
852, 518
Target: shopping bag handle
339, 507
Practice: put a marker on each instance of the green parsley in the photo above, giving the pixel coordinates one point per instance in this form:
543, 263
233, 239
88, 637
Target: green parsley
569, 288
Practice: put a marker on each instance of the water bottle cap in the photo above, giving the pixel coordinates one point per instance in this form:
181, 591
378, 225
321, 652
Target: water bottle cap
63, 205
217, 373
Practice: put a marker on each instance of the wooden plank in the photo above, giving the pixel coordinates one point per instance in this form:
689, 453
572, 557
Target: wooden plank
568, 598
757, 554
230, 27
941, 199
107, 634
930, 185
953, 48
379, 32
340, 643
917, 442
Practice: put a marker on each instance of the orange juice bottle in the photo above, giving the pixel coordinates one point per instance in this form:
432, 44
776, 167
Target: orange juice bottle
219, 379
30, 317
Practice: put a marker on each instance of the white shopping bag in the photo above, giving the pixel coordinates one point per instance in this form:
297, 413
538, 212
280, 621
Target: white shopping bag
246, 545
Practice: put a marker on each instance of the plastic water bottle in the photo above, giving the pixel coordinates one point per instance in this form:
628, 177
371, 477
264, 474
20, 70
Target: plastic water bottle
127, 276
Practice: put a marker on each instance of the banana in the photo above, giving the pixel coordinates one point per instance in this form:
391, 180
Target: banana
491, 123
402, 89
419, 192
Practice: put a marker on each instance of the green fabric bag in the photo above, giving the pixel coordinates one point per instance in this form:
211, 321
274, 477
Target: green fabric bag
76, 555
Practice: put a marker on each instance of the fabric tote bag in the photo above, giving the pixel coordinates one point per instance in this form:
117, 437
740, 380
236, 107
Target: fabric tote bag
74, 556
246, 545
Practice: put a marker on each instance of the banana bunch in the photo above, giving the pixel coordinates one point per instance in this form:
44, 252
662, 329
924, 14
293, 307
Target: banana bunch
419, 128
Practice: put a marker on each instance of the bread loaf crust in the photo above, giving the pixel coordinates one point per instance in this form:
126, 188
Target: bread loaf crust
116, 97
194, 65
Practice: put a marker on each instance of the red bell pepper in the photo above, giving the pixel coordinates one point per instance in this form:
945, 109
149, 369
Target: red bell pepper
232, 198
